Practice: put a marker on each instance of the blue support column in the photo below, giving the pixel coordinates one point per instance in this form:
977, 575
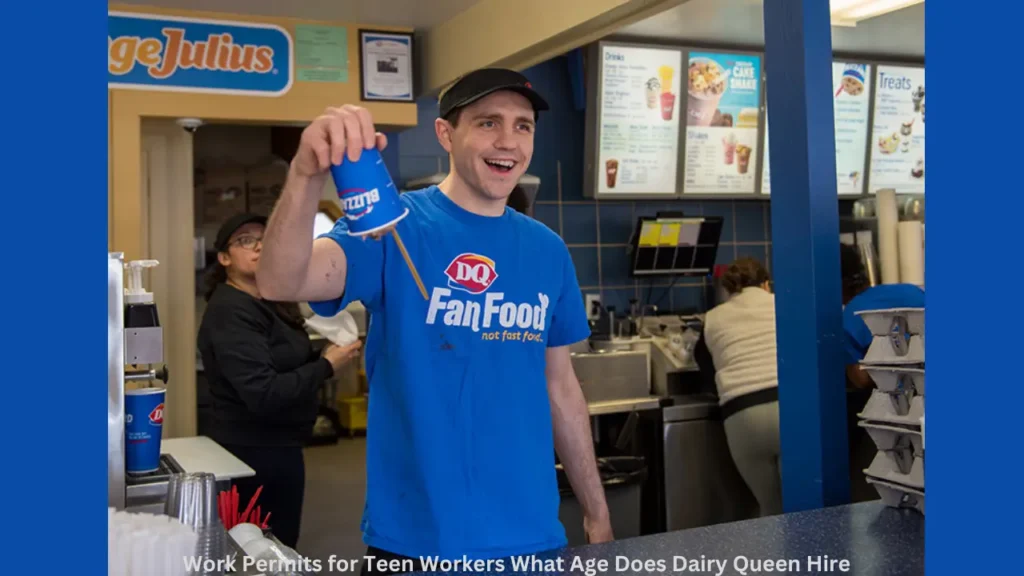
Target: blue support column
805, 254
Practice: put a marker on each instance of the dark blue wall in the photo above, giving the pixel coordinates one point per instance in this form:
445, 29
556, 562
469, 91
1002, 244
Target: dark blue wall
596, 232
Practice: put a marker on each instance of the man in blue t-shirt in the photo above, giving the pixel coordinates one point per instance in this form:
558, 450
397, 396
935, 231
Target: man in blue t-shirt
472, 390
859, 295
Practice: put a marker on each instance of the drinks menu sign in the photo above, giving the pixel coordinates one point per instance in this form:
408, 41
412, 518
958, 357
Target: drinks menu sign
897, 153
638, 145
851, 84
722, 109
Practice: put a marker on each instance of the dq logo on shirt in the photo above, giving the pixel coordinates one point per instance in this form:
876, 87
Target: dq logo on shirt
474, 274
471, 273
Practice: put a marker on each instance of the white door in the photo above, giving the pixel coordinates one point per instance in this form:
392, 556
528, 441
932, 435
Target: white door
167, 182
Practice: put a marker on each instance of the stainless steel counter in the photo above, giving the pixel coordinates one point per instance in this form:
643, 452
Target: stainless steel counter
624, 405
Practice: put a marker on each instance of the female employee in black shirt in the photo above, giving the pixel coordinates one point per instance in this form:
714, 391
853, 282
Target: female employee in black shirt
263, 375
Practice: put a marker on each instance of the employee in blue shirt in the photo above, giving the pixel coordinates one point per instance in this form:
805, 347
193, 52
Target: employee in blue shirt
472, 392
859, 295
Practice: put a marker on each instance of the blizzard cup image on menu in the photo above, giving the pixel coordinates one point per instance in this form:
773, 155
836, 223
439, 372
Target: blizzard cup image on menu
906, 131
668, 104
918, 99
368, 194
742, 158
852, 82
729, 148
611, 170
653, 93
144, 424
706, 86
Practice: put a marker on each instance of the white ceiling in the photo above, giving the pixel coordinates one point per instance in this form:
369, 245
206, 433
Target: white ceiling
417, 14
741, 22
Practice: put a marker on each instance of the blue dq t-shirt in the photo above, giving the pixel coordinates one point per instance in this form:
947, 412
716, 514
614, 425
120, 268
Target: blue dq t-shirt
460, 450
858, 336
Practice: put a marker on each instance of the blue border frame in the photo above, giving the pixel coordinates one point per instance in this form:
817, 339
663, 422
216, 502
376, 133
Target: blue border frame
56, 236
973, 223
55, 421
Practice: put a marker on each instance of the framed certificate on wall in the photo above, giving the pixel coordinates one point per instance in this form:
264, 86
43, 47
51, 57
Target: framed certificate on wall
386, 63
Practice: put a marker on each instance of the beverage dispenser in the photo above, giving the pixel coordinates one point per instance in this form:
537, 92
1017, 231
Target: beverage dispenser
134, 348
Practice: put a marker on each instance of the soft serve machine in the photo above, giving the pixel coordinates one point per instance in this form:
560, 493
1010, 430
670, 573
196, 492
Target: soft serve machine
134, 348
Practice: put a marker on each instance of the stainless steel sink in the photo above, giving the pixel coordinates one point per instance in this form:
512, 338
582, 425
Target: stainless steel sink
613, 374
612, 345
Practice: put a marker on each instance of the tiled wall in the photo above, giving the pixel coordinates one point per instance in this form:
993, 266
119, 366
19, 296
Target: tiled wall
596, 232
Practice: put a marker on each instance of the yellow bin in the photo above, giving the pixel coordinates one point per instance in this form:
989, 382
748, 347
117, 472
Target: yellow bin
352, 413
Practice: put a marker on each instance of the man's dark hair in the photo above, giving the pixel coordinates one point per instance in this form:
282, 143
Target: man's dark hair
455, 115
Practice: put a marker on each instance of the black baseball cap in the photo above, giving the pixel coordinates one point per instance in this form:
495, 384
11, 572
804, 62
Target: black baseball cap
232, 224
480, 83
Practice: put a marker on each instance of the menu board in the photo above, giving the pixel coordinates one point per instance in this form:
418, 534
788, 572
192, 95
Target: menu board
851, 86
638, 145
897, 131
722, 109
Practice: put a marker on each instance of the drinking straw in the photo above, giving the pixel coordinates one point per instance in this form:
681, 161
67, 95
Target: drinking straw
252, 502
408, 262
220, 509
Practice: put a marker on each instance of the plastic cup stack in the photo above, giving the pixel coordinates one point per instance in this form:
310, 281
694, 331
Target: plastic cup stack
147, 545
192, 499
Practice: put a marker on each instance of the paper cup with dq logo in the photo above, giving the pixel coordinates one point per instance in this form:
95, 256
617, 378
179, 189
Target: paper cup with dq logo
144, 424
367, 193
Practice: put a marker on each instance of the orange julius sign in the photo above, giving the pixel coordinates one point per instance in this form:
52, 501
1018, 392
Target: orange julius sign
151, 52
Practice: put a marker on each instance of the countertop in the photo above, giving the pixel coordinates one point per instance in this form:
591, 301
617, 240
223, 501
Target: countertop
872, 538
624, 405
201, 454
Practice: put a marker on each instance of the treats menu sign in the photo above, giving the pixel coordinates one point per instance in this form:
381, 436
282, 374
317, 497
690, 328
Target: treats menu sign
722, 110
897, 147
638, 142
671, 122
851, 87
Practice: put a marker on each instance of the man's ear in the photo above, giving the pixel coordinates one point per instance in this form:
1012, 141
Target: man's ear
224, 259
444, 134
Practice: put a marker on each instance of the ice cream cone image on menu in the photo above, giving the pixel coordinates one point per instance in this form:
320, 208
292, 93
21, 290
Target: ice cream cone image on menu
665, 74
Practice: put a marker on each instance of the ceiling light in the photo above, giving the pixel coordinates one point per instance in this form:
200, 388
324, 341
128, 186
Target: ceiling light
849, 12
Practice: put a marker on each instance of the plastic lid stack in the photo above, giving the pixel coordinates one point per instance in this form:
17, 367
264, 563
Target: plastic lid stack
894, 415
141, 544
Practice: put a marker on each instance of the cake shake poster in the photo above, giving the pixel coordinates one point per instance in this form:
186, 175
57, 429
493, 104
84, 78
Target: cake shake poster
722, 111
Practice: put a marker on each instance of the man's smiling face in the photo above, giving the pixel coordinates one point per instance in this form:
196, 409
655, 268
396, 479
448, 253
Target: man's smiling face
492, 143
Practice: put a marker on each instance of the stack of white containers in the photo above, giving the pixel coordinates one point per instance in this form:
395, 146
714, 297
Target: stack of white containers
894, 415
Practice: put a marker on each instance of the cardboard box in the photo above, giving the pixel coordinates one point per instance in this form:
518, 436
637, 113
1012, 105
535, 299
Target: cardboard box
219, 194
265, 182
